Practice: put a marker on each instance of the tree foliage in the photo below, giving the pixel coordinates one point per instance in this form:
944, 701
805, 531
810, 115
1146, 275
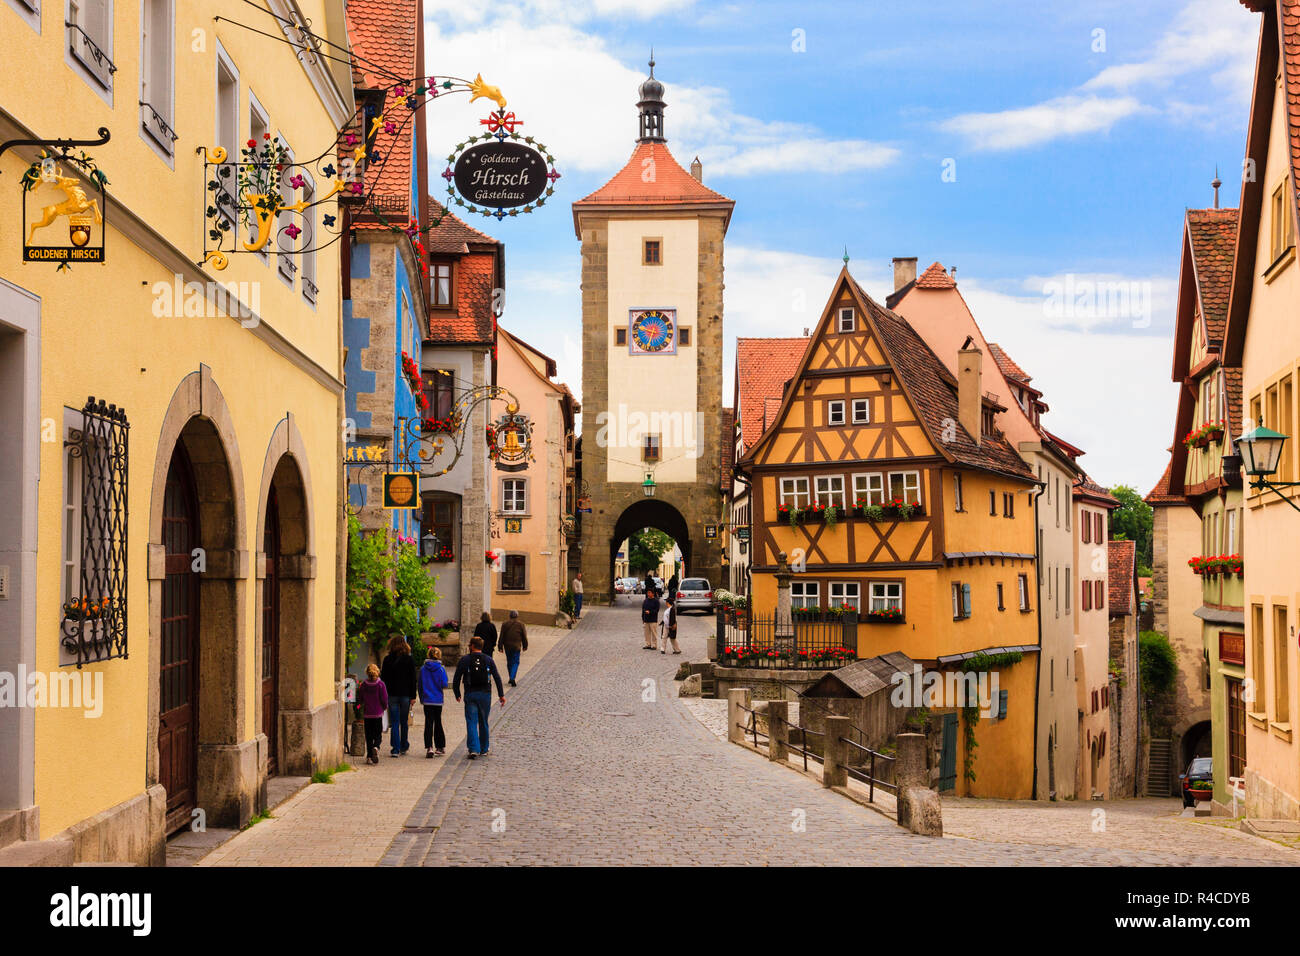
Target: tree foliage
645, 548
1157, 663
1132, 521
388, 589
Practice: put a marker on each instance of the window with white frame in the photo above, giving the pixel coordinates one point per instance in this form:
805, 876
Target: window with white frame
869, 488
846, 320
794, 492
30, 11
73, 475
956, 492
514, 495
285, 243
845, 594
90, 38
861, 411
227, 132
1230, 544
514, 572
307, 257
157, 73
1069, 589
805, 594
835, 413
1022, 589
960, 601
830, 491
259, 125
886, 596
905, 485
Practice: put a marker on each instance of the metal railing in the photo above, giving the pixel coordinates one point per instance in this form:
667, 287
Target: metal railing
795, 644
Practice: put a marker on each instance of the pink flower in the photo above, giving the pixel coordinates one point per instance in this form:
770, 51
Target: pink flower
292, 231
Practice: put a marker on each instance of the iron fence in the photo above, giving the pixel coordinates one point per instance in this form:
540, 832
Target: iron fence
823, 642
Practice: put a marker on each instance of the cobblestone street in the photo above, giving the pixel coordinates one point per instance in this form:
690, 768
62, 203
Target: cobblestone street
588, 767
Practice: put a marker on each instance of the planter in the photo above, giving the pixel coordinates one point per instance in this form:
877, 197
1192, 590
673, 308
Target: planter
1200, 441
1201, 795
884, 618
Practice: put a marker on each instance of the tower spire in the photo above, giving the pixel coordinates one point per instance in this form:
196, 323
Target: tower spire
651, 107
1216, 184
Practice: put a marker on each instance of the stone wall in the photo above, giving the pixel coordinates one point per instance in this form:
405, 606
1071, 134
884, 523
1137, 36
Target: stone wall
1123, 741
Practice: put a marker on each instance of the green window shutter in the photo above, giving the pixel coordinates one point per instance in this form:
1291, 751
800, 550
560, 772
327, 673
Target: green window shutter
965, 600
1002, 705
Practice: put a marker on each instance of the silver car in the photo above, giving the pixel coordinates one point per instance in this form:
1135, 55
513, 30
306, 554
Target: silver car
694, 594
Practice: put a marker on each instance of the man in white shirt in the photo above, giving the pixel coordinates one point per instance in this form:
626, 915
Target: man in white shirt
577, 597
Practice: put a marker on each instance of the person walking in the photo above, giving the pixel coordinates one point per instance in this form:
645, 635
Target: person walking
433, 681
668, 626
577, 597
372, 695
673, 584
514, 640
488, 631
650, 618
477, 671
398, 675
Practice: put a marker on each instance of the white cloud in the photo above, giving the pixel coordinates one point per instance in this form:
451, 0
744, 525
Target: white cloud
1207, 36
1043, 122
579, 99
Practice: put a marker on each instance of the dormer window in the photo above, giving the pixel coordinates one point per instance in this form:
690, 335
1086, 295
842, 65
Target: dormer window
986, 421
440, 282
846, 320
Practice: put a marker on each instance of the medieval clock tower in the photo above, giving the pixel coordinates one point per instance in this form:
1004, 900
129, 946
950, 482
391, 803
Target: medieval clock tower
652, 354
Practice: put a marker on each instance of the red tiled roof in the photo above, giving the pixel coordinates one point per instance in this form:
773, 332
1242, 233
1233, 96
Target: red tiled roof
1120, 557
384, 33
472, 321
728, 439
1213, 234
1159, 495
933, 392
935, 277
763, 366
667, 184
1291, 50
1008, 368
1232, 395
451, 236
1085, 487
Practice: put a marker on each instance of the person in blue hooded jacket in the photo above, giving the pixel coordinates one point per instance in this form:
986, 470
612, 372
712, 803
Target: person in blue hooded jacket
433, 681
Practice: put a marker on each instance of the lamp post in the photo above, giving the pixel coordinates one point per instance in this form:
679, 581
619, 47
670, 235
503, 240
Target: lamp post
1260, 450
429, 545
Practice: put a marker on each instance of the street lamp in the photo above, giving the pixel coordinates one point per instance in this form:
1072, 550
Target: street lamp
429, 545
1260, 450
648, 486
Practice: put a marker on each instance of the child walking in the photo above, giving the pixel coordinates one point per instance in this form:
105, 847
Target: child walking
668, 627
373, 697
433, 681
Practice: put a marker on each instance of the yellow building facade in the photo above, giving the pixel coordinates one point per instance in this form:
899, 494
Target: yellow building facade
884, 483
204, 535
1263, 338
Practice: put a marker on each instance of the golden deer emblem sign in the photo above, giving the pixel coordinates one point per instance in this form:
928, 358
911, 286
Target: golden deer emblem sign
73, 206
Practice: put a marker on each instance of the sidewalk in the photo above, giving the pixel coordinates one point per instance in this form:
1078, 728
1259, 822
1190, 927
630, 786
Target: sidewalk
352, 821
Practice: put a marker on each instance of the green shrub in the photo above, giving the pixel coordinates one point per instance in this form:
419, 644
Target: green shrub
1157, 663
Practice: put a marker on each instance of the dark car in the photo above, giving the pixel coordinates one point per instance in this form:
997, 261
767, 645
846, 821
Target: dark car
1200, 769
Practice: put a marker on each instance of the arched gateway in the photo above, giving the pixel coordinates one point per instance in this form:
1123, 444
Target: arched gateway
652, 242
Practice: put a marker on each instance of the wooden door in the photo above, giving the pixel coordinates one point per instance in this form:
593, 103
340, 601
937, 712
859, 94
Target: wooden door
271, 634
948, 756
178, 683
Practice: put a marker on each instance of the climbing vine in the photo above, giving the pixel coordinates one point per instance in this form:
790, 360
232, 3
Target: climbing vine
970, 713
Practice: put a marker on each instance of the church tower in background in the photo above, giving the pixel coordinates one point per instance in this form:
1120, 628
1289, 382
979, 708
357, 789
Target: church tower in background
652, 241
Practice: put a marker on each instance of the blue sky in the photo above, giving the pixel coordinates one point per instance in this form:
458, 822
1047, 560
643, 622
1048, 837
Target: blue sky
1078, 135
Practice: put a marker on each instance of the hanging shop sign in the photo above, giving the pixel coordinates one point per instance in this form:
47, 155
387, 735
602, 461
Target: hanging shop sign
510, 442
710, 531
499, 172
514, 525
63, 189
742, 534
401, 489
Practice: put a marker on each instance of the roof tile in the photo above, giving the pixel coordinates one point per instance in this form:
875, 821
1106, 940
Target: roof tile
935, 277
1120, 567
668, 183
1213, 235
763, 366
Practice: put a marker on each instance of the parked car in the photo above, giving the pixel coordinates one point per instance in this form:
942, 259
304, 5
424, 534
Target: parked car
695, 594
1200, 770
620, 585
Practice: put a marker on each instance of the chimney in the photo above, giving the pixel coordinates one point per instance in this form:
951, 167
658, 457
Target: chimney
697, 170
970, 392
904, 271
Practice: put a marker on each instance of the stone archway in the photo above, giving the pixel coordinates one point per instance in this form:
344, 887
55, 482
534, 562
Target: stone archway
198, 419
287, 476
651, 513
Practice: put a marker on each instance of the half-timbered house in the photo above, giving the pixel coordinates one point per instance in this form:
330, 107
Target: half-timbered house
883, 480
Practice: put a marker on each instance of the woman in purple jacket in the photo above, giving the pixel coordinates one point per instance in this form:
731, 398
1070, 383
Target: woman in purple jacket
372, 695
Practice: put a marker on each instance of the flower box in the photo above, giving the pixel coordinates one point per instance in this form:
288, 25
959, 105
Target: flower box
885, 617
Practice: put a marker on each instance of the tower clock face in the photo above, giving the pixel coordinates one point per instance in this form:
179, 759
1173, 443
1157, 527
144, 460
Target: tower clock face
653, 331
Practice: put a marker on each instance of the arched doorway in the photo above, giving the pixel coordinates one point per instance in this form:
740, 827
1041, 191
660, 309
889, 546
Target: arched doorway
651, 513
1197, 741
178, 666
271, 633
